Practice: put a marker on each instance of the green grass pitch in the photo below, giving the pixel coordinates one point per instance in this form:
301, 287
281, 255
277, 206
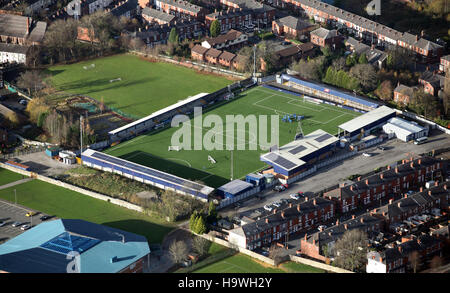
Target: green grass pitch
7, 176
64, 203
152, 149
144, 88
238, 263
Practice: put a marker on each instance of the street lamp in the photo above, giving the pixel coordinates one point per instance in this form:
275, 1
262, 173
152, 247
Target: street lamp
15, 196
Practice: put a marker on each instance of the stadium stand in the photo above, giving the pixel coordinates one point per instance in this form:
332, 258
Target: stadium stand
296, 156
362, 125
144, 174
327, 93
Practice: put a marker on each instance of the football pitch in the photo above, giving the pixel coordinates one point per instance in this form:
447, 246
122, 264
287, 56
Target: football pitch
131, 84
152, 149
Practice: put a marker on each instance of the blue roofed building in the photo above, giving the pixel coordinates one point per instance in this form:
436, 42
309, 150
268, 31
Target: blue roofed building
234, 188
70, 245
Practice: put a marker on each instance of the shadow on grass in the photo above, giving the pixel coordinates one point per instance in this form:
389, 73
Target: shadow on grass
154, 232
174, 168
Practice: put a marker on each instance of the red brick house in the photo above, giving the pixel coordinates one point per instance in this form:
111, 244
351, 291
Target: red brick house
431, 82
84, 34
323, 37
238, 62
291, 27
398, 180
318, 244
212, 55
445, 63
198, 53
226, 58
153, 15
181, 9
281, 223
233, 39
403, 94
262, 14
230, 19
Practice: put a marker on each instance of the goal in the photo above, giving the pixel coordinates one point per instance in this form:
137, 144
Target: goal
211, 159
174, 148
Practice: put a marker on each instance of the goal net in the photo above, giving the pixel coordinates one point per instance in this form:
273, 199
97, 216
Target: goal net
211, 159
174, 148
312, 100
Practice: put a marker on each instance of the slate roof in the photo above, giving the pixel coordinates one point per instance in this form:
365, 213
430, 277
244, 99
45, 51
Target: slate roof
157, 14
185, 5
213, 53
199, 49
227, 56
13, 48
293, 23
435, 80
403, 89
324, 33
231, 35
16, 26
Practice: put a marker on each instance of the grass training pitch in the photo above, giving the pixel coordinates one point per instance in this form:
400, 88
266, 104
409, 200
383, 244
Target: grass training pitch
152, 149
239, 263
7, 176
64, 203
144, 87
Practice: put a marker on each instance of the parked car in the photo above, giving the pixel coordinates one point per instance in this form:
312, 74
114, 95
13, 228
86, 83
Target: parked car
268, 207
366, 155
44, 218
25, 227
31, 214
2, 224
23, 102
294, 196
321, 227
277, 204
279, 188
300, 193
381, 148
16, 224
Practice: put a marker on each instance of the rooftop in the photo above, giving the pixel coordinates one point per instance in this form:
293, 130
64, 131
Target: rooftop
366, 119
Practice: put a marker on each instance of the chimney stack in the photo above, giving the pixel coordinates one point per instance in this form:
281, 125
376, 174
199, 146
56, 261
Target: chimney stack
436, 183
306, 234
28, 25
351, 187
353, 217
361, 220
421, 189
381, 175
367, 181
389, 167
298, 207
267, 220
406, 195
412, 164
396, 169
346, 226
359, 178
306, 198
314, 202
399, 204
337, 222
274, 211
282, 214
391, 201
445, 186
290, 204
419, 161
429, 192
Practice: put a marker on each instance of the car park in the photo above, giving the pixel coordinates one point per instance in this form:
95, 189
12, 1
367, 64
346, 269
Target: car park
25, 227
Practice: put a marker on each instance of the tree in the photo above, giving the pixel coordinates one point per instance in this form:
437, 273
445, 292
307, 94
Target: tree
173, 36
362, 59
385, 90
30, 80
351, 250
214, 29
339, 64
366, 74
351, 60
178, 251
276, 253
200, 245
14, 119
414, 260
212, 213
311, 69
200, 225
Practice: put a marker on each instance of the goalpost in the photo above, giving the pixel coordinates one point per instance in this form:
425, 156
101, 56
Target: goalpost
174, 148
211, 159
312, 100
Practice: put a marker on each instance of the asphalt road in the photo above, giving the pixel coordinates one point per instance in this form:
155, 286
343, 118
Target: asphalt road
333, 174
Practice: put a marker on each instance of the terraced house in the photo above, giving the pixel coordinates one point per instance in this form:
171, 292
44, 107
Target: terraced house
230, 19
396, 180
262, 14
366, 29
278, 225
181, 9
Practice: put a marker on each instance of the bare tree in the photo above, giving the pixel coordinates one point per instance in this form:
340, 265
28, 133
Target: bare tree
351, 250
366, 74
200, 245
31, 80
276, 253
178, 251
414, 260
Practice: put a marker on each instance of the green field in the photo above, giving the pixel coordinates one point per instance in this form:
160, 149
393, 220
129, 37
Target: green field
63, 203
239, 263
293, 267
144, 88
152, 149
7, 176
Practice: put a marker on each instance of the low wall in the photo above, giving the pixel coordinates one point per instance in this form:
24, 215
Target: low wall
318, 265
96, 195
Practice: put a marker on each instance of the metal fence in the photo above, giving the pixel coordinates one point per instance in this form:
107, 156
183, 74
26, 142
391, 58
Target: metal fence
23, 152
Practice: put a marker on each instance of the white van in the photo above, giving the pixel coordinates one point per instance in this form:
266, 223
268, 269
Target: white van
421, 140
